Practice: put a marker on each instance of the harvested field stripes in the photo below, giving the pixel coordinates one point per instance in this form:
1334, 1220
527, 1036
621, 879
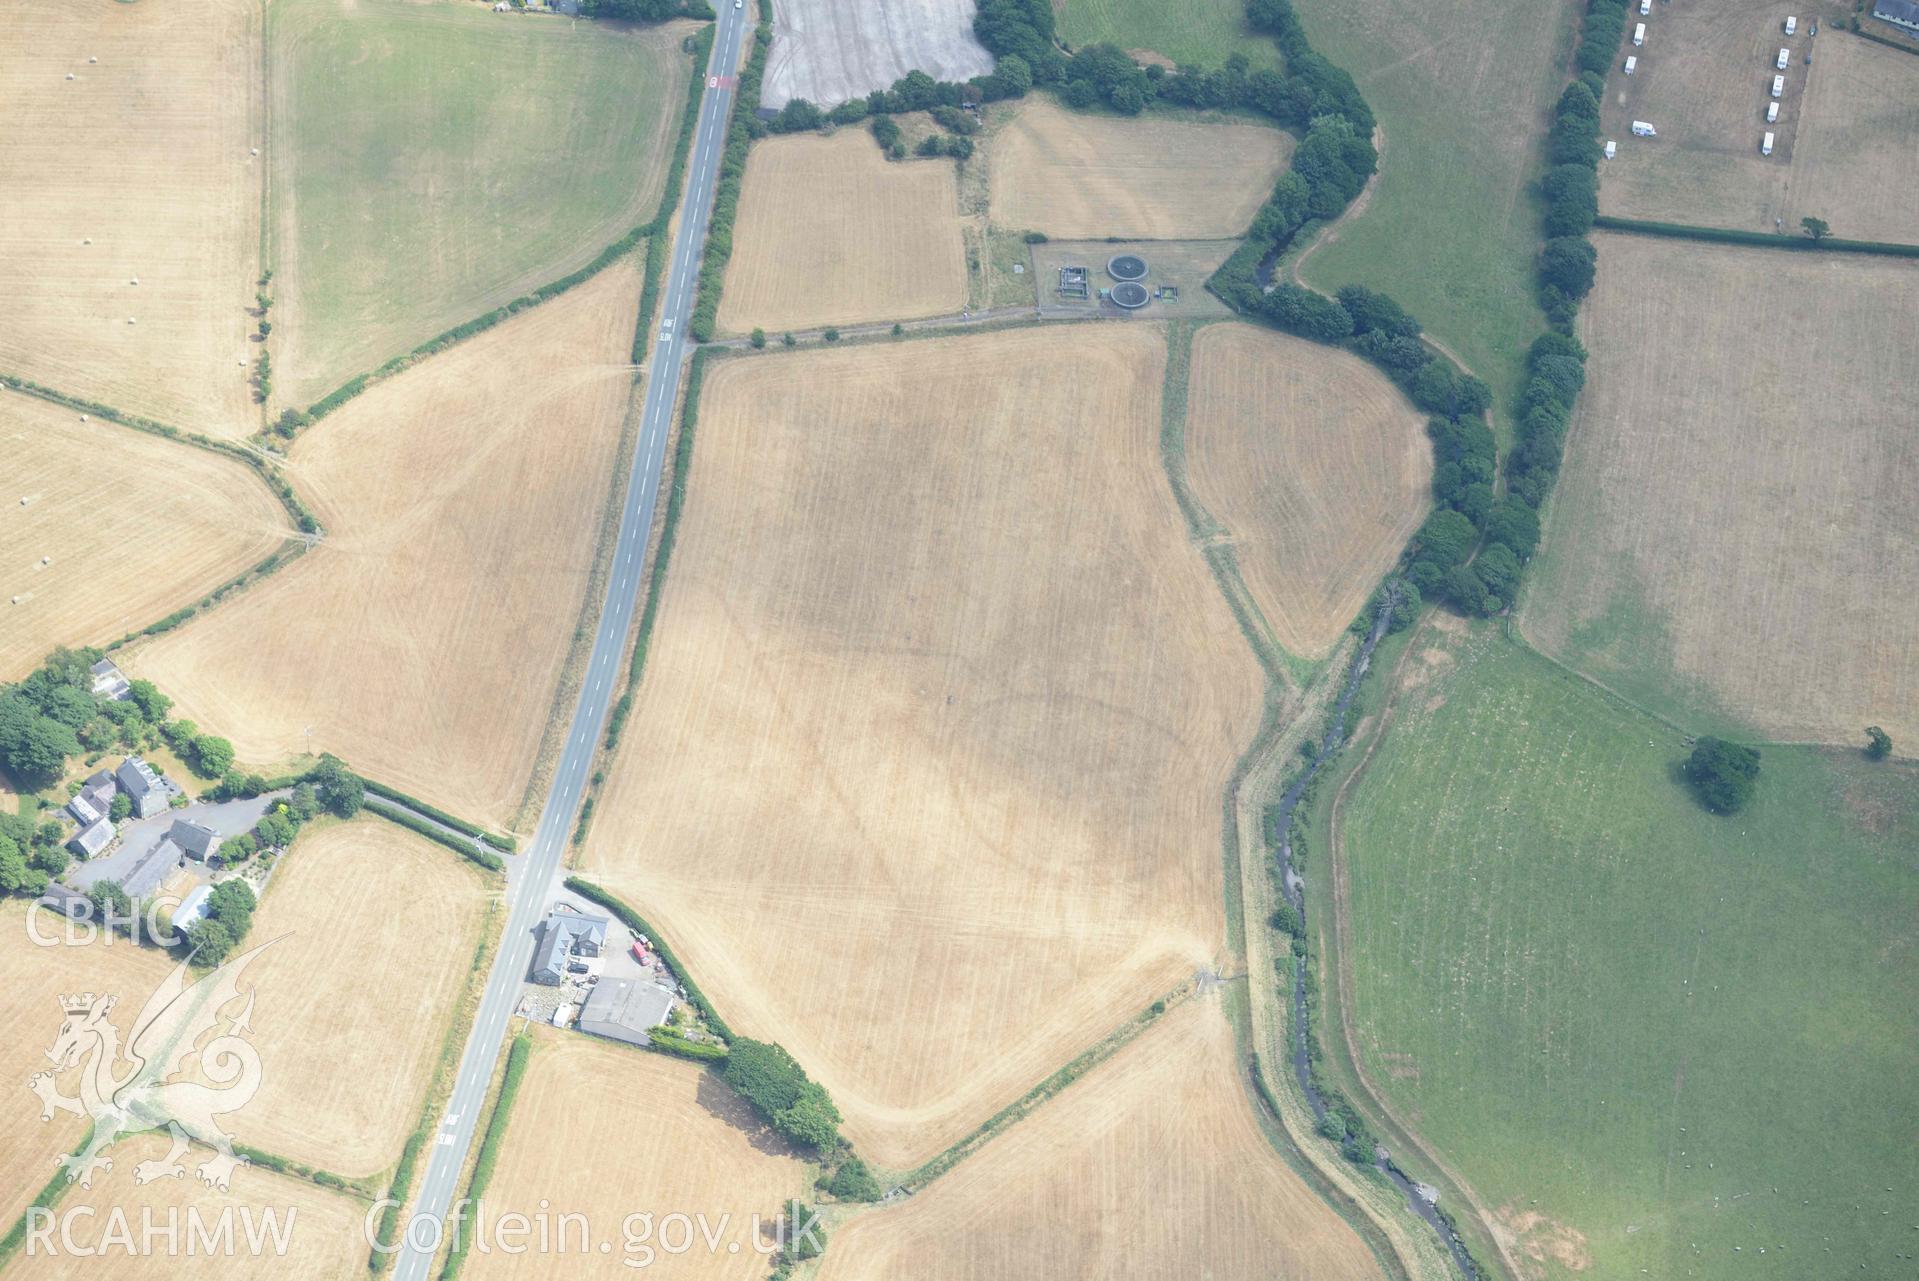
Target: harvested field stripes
1081, 177
105, 529
1316, 466
1152, 1163
129, 191
886, 246
430, 627
980, 702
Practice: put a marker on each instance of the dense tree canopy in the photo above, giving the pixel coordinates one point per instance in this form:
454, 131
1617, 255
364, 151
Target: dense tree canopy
1722, 774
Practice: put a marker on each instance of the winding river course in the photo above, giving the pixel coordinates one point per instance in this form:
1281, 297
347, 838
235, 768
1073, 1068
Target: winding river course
1294, 887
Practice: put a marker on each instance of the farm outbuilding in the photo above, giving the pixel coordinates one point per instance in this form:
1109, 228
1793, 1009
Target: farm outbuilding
626, 1010
1900, 13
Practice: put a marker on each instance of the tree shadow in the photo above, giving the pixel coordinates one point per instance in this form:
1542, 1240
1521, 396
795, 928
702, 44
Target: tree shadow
723, 1103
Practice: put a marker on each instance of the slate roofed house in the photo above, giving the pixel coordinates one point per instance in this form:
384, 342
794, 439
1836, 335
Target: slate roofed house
1900, 13
626, 1010
565, 936
142, 786
196, 842
99, 790
92, 838
108, 680
152, 871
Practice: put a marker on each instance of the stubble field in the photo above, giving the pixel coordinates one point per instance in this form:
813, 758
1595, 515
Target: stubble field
423, 639
606, 1131
1648, 1038
431, 162
923, 776
1844, 146
374, 930
1315, 464
886, 246
135, 528
1153, 1165
1077, 176
321, 1230
139, 167
1738, 515
35, 977
828, 51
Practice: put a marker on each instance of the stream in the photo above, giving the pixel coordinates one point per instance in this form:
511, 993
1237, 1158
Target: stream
1420, 1200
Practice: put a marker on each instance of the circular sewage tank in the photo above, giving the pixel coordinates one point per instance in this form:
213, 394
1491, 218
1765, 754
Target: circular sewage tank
1129, 294
1126, 267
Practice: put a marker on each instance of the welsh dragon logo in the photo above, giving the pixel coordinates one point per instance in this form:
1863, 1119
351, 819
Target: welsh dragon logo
128, 1090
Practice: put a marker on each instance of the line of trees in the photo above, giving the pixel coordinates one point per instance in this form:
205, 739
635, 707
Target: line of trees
742, 128
795, 1105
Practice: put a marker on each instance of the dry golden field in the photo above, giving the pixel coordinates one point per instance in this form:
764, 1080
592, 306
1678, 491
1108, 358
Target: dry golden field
135, 527
1737, 523
321, 1231
422, 640
605, 1131
923, 778
1316, 465
376, 930
1152, 1166
145, 154
1845, 147
1076, 176
1857, 164
886, 246
35, 978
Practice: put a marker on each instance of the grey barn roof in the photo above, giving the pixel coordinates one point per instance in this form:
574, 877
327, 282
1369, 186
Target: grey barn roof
1904, 12
160, 862
195, 840
625, 1010
560, 937
92, 838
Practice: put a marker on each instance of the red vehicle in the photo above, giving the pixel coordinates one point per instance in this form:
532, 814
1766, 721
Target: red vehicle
639, 954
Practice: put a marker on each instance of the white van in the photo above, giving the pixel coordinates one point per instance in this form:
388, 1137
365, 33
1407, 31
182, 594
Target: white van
1765, 145
1785, 59
1772, 113
1645, 7
1639, 33
1792, 24
1612, 148
1644, 129
1632, 65
1778, 85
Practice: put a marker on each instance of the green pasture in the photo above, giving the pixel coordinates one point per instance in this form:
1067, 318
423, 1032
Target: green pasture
1192, 32
430, 162
1463, 93
1687, 1044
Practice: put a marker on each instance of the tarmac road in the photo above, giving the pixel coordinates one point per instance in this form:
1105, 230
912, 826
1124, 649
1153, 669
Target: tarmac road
539, 875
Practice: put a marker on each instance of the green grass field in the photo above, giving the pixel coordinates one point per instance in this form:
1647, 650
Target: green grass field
1676, 1039
430, 162
1463, 94
1199, 32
